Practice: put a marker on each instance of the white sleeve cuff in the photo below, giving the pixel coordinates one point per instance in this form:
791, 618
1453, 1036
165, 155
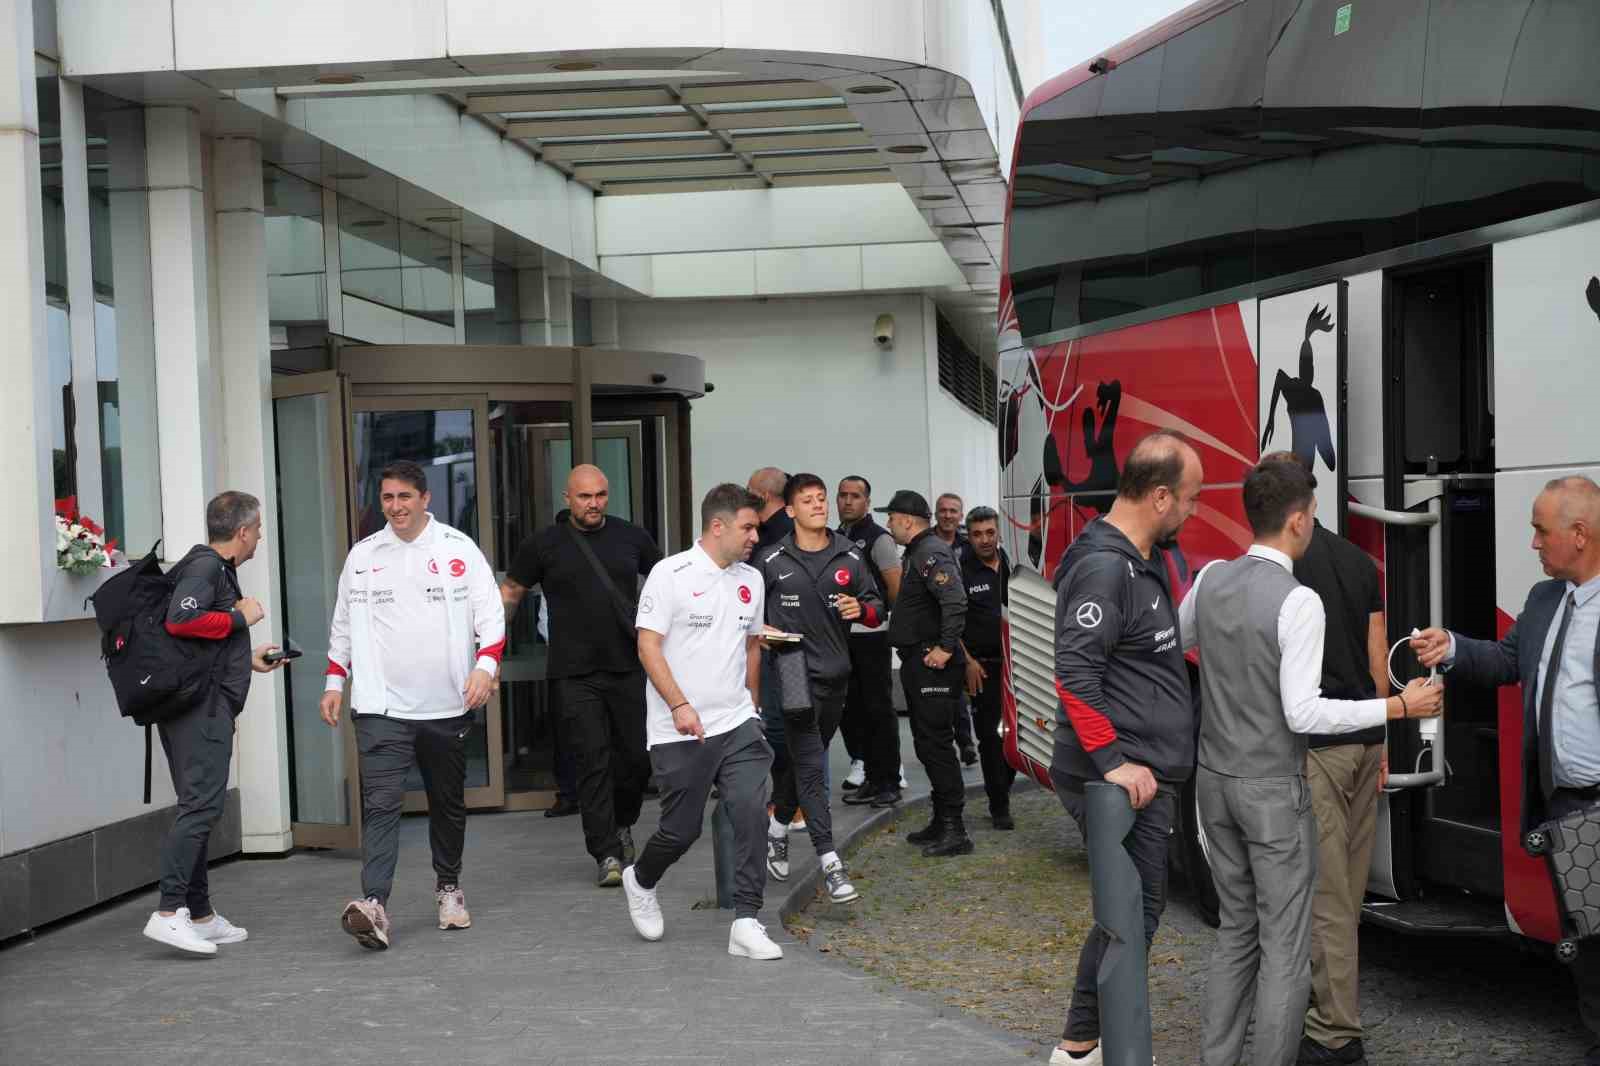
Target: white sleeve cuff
488, 664
334, 683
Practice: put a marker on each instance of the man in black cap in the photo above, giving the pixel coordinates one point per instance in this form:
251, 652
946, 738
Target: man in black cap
926, 629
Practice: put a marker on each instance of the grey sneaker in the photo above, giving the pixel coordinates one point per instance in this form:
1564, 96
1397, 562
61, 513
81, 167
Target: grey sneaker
840, 890
453, 908
778, 858
368, 922
610, 875
625, 836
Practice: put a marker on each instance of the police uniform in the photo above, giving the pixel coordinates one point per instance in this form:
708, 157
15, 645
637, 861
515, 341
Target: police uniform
931, 612
986, 599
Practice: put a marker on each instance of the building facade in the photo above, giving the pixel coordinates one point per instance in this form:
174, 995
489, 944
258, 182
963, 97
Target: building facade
268, 246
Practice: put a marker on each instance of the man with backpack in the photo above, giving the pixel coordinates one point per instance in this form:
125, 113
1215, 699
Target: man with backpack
210, 614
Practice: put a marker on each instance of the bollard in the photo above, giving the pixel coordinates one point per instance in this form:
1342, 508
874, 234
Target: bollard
722, 851
1119, 912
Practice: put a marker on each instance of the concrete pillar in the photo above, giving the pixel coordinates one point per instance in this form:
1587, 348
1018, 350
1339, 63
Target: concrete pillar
26, 482
531, 318
181, 291
606, 324
244, 363
558, 308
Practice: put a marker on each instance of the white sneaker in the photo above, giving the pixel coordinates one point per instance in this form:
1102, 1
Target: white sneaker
643, 909
748, 940
857, 775
219, 930
904, 785
1059, 1057
840, 890
178, 932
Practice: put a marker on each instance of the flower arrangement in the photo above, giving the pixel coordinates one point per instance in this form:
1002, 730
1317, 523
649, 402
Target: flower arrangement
81, 545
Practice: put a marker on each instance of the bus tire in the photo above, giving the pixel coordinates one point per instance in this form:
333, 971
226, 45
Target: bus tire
1196, 864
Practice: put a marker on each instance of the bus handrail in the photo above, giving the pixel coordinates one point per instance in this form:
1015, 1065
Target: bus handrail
1394, 518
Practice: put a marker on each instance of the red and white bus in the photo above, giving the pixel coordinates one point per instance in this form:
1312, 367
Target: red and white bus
1366, 232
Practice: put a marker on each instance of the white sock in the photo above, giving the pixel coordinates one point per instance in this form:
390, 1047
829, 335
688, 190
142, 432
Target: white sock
776, 829
829, 858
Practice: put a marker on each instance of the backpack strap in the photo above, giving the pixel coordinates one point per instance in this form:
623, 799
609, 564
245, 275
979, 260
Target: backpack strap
619, 602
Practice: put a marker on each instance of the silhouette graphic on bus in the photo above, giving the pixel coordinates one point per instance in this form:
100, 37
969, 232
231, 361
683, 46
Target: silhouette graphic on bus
1100, 487
1593, 293
1308, 416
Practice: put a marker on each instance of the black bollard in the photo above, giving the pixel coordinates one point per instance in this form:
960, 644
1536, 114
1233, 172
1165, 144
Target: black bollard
1119, 912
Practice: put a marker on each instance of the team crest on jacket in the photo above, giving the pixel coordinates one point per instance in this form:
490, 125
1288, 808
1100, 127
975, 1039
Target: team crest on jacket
744, 593
433, 566
457, 568
841, 576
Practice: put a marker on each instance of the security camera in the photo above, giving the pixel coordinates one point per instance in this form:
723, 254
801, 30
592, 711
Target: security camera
883, 331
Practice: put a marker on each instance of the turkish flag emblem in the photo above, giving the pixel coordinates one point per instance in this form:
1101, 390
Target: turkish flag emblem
841, 577
457, 567
744, 593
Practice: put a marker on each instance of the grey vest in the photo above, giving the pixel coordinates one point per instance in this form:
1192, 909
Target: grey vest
1242, 729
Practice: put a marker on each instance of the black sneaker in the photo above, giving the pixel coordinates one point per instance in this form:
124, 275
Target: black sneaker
610, 873
1002, 820
864, 795
625, 838
889, 797
1314, 1054
561, 808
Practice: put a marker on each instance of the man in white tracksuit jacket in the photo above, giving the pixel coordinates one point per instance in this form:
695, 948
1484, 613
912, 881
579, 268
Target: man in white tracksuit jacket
419, 627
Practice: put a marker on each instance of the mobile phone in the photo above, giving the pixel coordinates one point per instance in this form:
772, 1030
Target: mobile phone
282, 655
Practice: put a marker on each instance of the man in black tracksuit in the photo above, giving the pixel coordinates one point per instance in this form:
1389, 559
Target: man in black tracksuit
1125, 713
869, 724
817, 584
926, 628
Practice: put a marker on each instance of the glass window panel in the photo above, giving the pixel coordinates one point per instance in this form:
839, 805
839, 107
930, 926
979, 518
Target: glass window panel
58, 330
441, 441
491, 300
124, 334
297, 289
369, 254
425, 263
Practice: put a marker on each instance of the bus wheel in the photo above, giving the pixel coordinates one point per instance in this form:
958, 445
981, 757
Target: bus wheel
1536, 842
1567, 951
1196, 855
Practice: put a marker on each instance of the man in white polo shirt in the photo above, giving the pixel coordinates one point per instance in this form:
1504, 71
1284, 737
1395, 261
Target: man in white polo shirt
700, 624
419, 625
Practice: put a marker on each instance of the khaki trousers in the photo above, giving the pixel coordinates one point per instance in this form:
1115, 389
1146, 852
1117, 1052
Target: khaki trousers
1344, 797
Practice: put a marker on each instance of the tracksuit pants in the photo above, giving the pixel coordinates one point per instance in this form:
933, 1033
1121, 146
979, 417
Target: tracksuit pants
602, 721
738, 762
870, 726
803, 783
388, 747
199, 746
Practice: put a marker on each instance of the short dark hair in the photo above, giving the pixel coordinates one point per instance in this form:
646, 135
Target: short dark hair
1156, 462
1274, 489
229, 512
802, 480
982, 514
404, 470
866, 486
725, 501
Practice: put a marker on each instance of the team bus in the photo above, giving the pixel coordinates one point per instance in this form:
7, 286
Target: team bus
1366, 232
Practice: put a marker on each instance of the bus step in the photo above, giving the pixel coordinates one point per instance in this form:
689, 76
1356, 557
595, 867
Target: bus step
1443, 916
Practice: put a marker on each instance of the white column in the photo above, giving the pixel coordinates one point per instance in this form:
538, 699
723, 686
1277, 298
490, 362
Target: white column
558, 308
244, 364
26, 482
181, 290
605, 324
531, 317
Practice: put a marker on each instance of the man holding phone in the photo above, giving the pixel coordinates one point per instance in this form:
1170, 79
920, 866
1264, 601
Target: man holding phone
419, 625
817, 583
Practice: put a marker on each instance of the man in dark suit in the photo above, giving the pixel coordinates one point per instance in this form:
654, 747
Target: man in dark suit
1553, 650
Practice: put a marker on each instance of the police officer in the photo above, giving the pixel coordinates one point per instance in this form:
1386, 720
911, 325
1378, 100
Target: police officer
926, 629
986, 571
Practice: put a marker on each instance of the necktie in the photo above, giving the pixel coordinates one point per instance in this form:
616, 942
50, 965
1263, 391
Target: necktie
1547, 702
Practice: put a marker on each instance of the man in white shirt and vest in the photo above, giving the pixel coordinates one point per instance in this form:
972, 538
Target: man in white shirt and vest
419, 627
1261, 636
700, 624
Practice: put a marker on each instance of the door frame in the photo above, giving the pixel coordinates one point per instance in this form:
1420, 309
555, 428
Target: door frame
337, 387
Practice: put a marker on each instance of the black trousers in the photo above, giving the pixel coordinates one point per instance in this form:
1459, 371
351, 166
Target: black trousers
1586, 967
602, 722
934, 698
997, 773
388, 747
1147, 846
199, 746
803, 783
870, 727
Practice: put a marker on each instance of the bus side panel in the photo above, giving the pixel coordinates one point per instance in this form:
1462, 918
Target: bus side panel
1530, 898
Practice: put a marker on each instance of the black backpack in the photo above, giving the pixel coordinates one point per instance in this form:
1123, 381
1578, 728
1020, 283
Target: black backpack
155, 675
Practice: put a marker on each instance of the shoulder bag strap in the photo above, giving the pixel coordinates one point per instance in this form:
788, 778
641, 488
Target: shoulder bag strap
623, 608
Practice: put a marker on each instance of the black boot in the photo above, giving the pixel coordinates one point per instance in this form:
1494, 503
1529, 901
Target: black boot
952, 839
928, 833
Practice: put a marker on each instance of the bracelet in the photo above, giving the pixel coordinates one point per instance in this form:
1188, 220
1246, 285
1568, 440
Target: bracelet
685, 703
1405, 712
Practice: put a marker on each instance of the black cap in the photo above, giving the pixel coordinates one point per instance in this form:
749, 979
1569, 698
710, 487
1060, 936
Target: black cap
907, 502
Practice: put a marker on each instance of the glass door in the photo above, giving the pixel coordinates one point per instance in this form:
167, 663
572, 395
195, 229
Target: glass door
448, 436
313, 535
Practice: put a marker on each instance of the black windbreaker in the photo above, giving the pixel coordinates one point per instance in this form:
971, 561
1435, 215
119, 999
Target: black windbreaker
801, 590
1121, 679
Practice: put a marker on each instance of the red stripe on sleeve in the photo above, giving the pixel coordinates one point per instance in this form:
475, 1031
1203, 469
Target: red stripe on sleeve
495, 650
335, 670
1093, 728
869, 616
212, 625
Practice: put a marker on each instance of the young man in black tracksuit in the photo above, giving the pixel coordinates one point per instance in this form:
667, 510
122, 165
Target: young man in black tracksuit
817, 583
1126, 714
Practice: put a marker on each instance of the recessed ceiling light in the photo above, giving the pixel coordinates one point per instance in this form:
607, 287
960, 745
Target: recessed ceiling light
348, 175
867, 90
907, 149
931, 197
366, 223
440, 218
975, 262
337, 79
574, 65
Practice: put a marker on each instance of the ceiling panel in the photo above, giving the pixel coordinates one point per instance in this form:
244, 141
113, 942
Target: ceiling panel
496, 103
757, 90
792, 116
543, 128
779, 142
940, 116
776, 164
672, 168
579, 151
